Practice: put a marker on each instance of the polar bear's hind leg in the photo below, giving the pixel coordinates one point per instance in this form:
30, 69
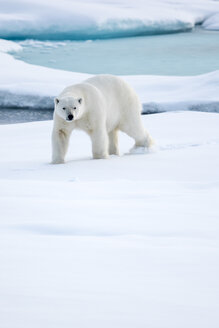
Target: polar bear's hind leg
113, 143
136, 130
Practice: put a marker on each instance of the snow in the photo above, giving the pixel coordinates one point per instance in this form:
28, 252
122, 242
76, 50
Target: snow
127, 242
32, 86
100, 19
212, 23
7, 46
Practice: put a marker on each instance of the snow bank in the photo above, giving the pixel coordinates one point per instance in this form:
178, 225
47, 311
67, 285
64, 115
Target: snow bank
110, 243
24, 85
212, 23
7, 46
169, 93
100, 19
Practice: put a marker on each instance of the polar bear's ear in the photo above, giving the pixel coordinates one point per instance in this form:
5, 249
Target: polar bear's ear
56, 101
80, 100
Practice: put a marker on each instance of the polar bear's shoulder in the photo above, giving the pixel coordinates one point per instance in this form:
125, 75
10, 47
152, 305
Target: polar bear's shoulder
104, 79
99, 81
81, 90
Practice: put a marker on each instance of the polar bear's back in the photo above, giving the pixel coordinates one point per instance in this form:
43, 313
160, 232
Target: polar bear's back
122, 104
116, 92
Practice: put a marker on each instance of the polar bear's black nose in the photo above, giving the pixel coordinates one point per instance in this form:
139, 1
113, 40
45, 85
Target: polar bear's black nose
70, 117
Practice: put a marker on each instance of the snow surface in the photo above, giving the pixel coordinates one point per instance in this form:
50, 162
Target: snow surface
8, 46
212, 23
25, 85
67, 19
127, 242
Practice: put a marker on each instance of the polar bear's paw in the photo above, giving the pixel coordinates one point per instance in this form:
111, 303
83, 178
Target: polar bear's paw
139, 150
57, 161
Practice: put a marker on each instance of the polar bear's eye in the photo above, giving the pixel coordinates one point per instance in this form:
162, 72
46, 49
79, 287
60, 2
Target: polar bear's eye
63, 108
74, 107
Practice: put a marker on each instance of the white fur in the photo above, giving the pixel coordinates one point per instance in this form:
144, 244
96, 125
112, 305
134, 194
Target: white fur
101, 106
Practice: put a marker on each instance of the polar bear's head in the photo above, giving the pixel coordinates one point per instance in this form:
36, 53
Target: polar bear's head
69, 108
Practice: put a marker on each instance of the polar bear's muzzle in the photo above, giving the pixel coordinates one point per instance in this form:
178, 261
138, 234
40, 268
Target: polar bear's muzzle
70, 117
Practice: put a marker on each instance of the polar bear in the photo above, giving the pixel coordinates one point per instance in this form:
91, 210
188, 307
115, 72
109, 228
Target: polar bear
101, 106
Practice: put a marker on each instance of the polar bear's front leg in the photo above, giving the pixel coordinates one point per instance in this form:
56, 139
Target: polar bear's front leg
60, 140
100, 144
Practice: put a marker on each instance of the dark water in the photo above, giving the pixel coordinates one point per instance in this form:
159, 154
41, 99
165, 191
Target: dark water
14, 115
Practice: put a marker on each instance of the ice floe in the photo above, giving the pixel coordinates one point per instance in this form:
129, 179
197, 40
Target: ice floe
81, 20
